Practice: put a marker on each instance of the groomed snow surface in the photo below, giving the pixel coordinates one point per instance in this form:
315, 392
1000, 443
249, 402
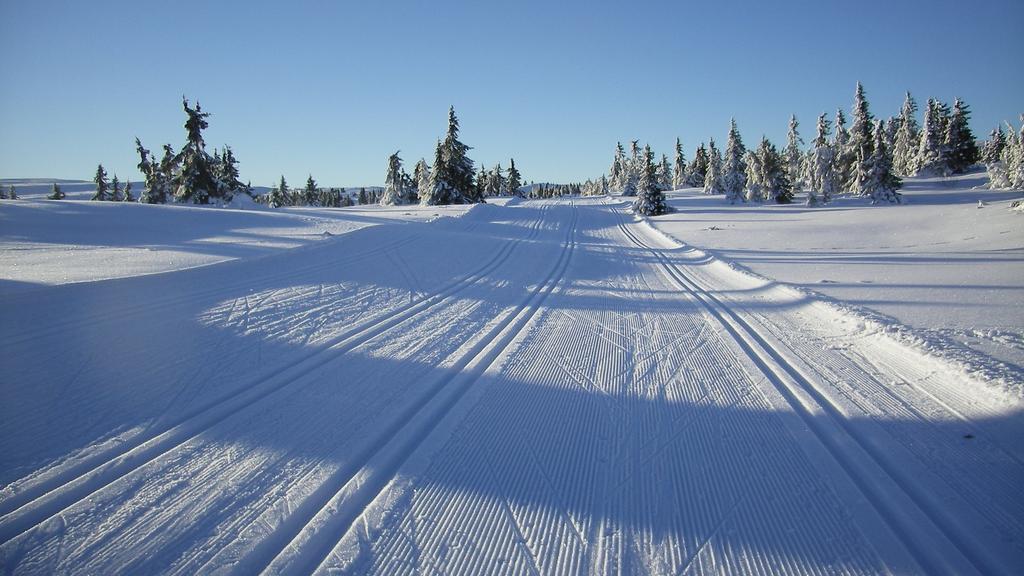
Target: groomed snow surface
543, 387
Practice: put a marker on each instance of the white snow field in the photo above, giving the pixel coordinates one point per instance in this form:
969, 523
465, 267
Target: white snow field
546, 387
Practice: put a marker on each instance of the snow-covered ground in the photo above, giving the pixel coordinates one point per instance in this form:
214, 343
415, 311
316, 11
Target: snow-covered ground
946, 268
543, 387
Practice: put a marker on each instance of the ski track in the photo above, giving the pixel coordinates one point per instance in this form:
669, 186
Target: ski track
570, 394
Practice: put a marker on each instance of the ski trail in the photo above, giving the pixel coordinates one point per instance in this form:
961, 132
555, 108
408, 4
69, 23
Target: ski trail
33, 505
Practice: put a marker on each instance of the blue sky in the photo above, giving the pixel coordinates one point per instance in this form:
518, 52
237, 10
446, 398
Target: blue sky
332, 88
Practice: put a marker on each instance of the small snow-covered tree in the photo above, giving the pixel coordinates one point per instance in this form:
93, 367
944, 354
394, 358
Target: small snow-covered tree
960, 145
879, 183
754, 191
733, 166
456, 167
392, 195
57, 193
226, 173
931, 152
823, 179
421, 176
278, 196
713, 175
195, 181
861, 137
679, 176
102, 186
843, 160
650, 200
794, 156
664, 173
767, 175
904, 152
515, 180
439, 190
697, 171
115, 189
617, 174
127, 194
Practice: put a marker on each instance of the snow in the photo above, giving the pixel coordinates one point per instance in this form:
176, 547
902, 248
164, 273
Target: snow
533, 387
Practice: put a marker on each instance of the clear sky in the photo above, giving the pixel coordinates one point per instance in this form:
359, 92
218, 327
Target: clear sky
332, 88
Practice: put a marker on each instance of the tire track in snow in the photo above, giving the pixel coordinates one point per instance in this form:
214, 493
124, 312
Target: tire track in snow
935, 544
308, 536
37, 503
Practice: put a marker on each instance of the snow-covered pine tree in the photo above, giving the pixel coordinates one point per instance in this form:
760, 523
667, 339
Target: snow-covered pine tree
960, 145
102, 186
734, 166
679, 168
309, 193
481, 180
713, 175
754, 191
278, 196
904, 151
823, 179
774, 173
57, 193
457, 167
617, 173
843, 160
126, 196
664, 174
632, 171
153, 190
497, 184
993, 146
115, 189
515, 180
650, 200
697, 171
1012, 158
362, 198
892, 125
860, 145
392, 195
794, 156
195, 181
931, 156
169, 166
879, 183
227, 175
421, 177
439, 189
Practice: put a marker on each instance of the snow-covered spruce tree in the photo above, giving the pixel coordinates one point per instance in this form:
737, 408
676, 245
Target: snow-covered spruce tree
498, 183
126, 196
879, 183
733, 166
617, 173
457, 169
697, 171
226, 172
861, 140
195, 182
650, 201
102, 186
361, 198
310, 193
931, 154
115, 189
392, 195
664, 173
960, 145
904, 152
679, 168
991, 155
713, 175
631, 175
439, 190
154, 187
278, 196
774, 173
515, 180
892, 125
421, 175
1012, 159
794, 155
843, 159
57, 193
823, 179
754, 191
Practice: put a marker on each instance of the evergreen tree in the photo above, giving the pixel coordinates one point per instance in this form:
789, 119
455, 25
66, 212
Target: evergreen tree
679, 176
115, 189
774, 173
664, 174
496, 183
733, 166
1011, 160
310, 192
633, 169
278, 196
481, 181
127, 196
993, 146
12, 194
439, 190
961, 148
793, 155
754, 190
363, 198
650, 200
56, 194
861, 137
154, 187
697, 171
931, 156
457, 168
713, 176
823, 178
195, 181
617, 174
226, 172
843, 160
879, 183
102, 187
904, 152
421, 176
393, 195
514, 179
